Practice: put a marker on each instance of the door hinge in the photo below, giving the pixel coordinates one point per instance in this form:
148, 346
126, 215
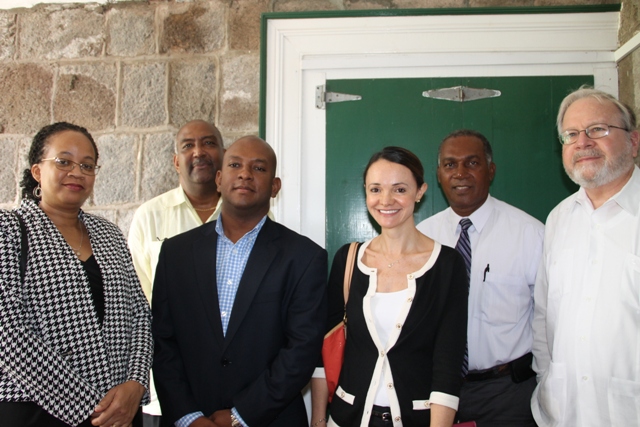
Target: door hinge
461, 93
323, 98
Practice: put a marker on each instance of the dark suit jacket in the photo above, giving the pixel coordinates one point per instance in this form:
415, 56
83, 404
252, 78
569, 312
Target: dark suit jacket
274, 335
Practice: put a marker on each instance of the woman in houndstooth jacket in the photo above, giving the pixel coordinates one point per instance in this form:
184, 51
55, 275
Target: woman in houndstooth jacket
75, 331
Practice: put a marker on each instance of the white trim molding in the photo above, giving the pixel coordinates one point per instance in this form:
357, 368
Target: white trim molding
304, 53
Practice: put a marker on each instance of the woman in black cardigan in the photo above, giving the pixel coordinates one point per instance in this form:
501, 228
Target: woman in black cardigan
74, 324
406, 312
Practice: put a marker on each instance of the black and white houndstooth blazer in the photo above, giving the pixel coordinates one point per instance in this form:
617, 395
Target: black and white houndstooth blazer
52, 349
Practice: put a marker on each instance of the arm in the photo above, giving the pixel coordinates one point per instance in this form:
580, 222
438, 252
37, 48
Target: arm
303, 333
28, 359
121, 402
451, 337
541, 352
442, 416
174, 392
319, 389
140, 256
319, 401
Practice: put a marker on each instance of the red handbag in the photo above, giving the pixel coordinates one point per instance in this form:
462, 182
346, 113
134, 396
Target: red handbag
336, 339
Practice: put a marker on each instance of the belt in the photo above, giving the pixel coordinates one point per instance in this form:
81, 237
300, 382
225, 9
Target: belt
498, 371
384, 413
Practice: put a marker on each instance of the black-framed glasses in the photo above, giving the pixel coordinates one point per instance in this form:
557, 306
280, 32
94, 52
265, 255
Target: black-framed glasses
68, 165
599, 130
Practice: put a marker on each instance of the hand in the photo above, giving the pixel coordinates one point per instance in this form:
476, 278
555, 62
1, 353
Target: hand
119, 405
222, 418
203, 422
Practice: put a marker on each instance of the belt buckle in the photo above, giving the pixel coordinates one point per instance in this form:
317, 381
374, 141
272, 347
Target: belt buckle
386, 416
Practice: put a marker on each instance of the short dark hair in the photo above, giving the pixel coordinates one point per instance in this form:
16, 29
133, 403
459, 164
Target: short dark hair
486, 146
36, 152
401, 156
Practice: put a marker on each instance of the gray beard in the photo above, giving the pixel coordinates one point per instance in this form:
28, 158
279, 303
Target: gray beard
611, 170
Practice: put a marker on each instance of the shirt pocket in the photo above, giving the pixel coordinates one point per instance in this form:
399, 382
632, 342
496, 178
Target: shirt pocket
624, 402
505, 299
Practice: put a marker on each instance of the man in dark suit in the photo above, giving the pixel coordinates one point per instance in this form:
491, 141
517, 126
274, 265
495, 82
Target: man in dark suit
239, 308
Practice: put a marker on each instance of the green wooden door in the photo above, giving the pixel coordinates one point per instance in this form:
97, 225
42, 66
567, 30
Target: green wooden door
520, 124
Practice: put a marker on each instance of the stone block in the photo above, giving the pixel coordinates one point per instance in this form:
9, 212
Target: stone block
157, 172
192, 27
306, 5
192, 89
573, 2
143, 95
116, 181
368, 4
26, 97
428, 4
123, 219
629, 20
9, 169
61, 32
7, 35
240, 94
130, 31
86, 95
244, 24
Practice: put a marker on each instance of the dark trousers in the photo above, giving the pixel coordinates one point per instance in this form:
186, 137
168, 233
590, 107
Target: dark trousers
497, 403
28, 414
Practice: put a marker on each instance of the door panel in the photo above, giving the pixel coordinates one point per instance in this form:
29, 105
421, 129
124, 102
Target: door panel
520, 124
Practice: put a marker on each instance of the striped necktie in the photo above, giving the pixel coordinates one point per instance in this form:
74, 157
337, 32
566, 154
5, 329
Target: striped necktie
464, 247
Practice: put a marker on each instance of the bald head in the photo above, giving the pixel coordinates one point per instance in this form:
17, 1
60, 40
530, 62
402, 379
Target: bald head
197, 128
247, 179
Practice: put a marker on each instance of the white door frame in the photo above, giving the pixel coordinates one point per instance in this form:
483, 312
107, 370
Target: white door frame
304, 53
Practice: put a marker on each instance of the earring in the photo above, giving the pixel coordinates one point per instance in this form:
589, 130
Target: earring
418, 201
37, 192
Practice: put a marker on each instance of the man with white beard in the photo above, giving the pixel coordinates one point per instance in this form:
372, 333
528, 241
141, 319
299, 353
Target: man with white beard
586, 324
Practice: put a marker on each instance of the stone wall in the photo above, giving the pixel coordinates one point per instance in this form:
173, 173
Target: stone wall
133, 72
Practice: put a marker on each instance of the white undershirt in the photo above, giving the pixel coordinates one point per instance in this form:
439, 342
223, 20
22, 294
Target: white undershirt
386, 309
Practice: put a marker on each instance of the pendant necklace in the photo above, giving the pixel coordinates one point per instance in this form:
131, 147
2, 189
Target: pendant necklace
79, 250
391, 264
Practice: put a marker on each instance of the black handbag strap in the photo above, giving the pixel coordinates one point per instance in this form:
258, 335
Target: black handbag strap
24, 247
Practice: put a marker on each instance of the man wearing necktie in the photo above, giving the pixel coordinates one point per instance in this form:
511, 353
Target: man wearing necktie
501, 246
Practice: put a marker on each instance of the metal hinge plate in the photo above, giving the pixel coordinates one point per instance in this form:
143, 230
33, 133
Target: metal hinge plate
322, 97
461, 94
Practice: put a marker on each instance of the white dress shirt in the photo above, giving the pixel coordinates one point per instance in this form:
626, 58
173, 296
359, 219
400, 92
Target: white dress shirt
506, 245
587, 316
164, 216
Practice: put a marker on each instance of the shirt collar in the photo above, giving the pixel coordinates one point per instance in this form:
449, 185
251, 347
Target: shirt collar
478, 218
255, 230
628, 198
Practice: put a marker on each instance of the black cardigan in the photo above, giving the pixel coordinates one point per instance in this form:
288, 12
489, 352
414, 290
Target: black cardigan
428, 353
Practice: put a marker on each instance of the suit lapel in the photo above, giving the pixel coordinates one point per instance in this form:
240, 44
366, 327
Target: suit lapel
204, 256
262, 255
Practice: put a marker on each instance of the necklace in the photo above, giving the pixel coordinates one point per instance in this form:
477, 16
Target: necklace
205, 210
77, 251
391, 264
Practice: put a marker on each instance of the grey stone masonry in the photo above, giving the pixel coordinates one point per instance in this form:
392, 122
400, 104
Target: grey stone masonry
133, 72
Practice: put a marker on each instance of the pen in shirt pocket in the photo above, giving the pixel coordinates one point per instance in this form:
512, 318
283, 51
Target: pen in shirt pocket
486, 270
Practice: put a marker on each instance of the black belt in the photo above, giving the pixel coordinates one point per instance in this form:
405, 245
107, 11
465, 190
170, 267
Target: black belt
498, 371
519, 369
381, 412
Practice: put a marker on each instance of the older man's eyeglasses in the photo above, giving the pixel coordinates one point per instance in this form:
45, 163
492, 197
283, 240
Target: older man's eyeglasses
68, 165
599, 130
